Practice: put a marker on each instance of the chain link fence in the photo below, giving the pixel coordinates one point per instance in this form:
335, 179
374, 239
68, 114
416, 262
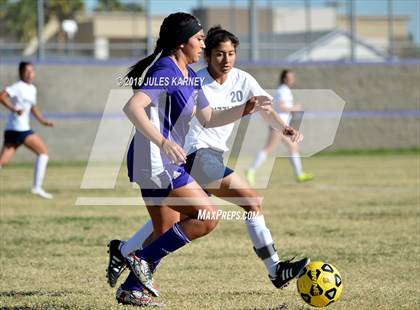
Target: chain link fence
269, 31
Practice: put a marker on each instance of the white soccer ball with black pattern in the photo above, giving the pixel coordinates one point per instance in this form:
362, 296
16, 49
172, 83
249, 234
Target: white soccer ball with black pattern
320, 284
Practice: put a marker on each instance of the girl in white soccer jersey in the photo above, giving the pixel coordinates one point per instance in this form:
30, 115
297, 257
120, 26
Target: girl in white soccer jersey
284, 104
20, 99
228, 87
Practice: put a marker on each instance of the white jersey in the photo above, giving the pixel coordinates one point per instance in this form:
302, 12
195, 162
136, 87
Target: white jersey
23, 97
239, 87
283, 93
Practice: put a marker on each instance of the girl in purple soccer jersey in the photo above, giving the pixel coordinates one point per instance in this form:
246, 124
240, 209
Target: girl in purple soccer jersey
161, 112
205, 147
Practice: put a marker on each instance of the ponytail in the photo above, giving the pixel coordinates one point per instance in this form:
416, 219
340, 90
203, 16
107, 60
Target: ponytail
139, 70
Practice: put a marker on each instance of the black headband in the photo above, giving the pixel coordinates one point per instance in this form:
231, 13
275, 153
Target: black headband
187, 31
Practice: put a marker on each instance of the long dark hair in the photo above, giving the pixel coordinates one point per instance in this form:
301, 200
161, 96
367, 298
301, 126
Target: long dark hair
283, 75
217, 35
170, 37
22, 67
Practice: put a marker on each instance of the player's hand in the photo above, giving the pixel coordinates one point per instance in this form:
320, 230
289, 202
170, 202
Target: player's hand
48, 123
294, 135
256, 103
174, 152
18, 111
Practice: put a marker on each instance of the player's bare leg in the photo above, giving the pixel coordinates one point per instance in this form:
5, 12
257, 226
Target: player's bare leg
273, 140
6, 154
236, 190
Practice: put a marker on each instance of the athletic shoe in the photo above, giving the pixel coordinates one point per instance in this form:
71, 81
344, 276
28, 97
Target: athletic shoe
250, 176
116, 263
41, 193
288, 270
304, 177
143, 271
136, 298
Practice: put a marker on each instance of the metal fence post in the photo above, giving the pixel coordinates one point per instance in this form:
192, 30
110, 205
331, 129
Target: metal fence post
40, 29
253, 33
390, 30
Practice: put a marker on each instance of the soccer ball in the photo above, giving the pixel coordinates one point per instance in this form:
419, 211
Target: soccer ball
320, 284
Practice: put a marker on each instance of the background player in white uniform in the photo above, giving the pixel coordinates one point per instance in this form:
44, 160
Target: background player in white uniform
229, 87
20, 99
285, 106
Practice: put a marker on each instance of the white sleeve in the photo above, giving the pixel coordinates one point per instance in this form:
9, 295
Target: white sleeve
12, 90
255, 89
279, 95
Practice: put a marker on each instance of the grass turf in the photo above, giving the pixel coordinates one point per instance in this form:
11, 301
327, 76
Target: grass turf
360, 214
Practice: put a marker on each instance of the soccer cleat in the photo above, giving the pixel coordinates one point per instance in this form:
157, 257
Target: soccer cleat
136, 298
288, 270
304, 177
116, 263
143, 272
250, 176
41, 193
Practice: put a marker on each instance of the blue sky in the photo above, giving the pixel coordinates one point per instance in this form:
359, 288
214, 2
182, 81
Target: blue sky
410, 8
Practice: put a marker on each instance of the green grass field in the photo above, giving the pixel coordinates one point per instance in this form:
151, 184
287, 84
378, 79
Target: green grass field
360, 214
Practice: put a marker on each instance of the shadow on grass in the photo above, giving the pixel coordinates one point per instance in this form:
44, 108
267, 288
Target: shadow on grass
280, 307
30, 293
16, 308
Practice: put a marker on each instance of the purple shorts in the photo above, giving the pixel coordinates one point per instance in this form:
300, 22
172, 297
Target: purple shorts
154, 190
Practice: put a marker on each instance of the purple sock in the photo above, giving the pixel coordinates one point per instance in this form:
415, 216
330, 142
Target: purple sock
131, 283
169, 242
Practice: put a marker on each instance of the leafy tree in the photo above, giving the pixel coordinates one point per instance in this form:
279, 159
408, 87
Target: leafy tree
64, 9
117, 5
109, 5
21, 15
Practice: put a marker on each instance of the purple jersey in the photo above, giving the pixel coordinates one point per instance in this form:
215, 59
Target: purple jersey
173, 100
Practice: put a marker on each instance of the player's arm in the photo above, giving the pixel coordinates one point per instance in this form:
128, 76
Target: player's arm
135, 111
276, 122
209, 117
283, 108
38, 115
5, 100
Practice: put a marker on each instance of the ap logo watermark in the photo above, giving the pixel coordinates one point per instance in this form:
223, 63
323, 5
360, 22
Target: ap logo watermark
318, 121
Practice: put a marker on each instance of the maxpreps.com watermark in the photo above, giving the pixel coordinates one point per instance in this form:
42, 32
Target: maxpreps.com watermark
226, 215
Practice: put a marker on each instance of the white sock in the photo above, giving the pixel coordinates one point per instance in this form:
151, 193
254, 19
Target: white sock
136, 241
39, 170
261, 237
258, 161
296, 164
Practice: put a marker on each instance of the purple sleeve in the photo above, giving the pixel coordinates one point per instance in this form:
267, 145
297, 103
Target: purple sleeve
155, 83
202, 101
201, 98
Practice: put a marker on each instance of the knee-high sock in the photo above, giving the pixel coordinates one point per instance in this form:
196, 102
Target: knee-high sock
131, 283
39, 170
169, 242
137, 240
258, 161
296, 164
263, 243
